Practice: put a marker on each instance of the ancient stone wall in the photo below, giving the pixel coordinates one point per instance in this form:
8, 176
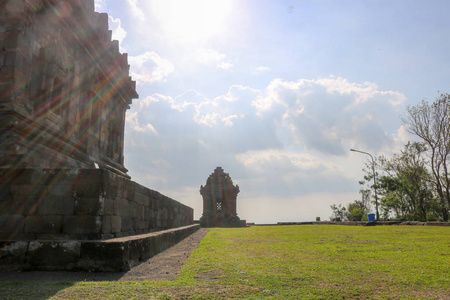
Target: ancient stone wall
82, 204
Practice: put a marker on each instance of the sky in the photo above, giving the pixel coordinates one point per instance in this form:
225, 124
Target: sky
274, 92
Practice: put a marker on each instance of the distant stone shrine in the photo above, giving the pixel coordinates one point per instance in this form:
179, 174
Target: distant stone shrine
64, 92
219, 201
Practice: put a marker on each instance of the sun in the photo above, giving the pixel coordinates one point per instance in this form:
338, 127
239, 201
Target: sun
192, 21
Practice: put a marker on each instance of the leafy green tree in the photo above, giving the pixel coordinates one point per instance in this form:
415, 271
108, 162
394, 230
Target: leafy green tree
404, 184
339, 212
391, 197
358, 209
368, 193
405, 187
355, 211
431, 122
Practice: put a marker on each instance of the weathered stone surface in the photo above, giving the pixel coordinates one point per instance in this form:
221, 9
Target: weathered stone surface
28, 190
141, 199
22, 205
116, 224
88, 206
15, 176
134, 209
82, 225
44, 224
107, 257
11, 224
54, 205
54, 255
127, 224
110, 206
59, 210
123, 207
66, 101
59, 177
89, 184
12, 255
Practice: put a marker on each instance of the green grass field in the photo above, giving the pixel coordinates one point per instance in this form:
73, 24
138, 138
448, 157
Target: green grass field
288, 262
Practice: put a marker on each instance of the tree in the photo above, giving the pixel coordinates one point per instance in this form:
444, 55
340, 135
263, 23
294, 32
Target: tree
339, 212
355, 211
406, 184
432, 124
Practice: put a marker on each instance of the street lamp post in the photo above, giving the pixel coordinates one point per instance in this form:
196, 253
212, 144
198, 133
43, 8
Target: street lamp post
374, 180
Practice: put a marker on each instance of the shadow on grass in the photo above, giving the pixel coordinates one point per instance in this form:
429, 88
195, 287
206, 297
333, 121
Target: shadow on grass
44, 285
32, 289
40, 276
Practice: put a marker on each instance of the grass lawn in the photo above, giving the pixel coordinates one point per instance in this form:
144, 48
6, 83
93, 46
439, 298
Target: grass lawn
288, 262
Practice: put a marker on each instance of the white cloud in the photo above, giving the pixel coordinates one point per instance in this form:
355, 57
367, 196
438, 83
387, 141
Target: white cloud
228, 120
266, 160
401, 138
222, 110
161, 163
226, 108
149, 67
262, 69
329, 114
118, 33
99, 4
208, 56
225, 65
190, 23
210, 119
288, 173
132, 119
135, 10
212, 57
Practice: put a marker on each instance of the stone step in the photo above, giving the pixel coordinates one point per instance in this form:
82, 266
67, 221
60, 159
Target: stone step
114, 255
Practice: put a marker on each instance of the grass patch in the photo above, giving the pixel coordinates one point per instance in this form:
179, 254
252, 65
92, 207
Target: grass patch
288, 262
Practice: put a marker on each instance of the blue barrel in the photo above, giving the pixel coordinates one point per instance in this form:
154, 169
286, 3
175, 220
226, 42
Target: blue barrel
371, 217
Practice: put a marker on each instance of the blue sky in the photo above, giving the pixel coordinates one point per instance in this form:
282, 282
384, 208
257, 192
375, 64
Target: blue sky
275, 92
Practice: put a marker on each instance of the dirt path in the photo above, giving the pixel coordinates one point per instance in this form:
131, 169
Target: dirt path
164, 266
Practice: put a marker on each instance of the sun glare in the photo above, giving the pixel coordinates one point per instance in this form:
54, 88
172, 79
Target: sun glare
192, 21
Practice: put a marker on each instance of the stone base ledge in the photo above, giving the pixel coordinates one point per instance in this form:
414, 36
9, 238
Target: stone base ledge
362, 223
114, 255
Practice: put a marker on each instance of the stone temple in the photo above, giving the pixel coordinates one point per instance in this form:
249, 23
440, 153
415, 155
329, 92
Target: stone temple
219, 201
66, 200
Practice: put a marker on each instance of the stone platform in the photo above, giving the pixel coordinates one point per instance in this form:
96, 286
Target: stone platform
112, 255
